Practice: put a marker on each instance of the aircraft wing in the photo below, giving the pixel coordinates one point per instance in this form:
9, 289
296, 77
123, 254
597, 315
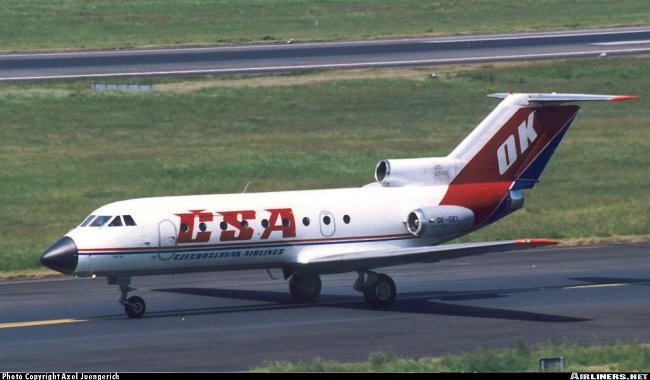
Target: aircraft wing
365, 260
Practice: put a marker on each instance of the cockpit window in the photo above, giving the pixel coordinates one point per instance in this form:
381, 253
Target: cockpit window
116, 222
128, 220
100, 221
88, 220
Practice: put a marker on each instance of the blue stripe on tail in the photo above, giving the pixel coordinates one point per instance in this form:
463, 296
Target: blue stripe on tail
530, 176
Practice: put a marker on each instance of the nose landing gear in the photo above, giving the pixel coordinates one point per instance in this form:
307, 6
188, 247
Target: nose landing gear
133, 306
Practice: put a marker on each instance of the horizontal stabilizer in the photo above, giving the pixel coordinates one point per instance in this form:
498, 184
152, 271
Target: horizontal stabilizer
566, 98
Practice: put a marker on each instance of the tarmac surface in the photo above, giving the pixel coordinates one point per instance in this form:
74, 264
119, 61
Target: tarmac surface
422, 51
235, 321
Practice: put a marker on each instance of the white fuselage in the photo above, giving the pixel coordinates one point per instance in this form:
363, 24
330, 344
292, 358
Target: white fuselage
205, 232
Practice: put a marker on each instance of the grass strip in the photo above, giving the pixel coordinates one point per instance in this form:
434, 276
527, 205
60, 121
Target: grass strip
28, 25
617, 357
65, 151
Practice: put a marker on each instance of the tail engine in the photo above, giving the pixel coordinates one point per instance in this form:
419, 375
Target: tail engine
439, 220
430, 170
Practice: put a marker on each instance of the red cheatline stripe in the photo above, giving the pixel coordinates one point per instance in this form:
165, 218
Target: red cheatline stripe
250, 243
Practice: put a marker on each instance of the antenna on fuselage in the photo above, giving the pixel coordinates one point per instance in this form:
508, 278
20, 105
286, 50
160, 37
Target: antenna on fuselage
245, 188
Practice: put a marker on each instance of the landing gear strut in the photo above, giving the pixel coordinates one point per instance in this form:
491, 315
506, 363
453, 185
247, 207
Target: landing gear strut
134, 306
378, 289
305, 287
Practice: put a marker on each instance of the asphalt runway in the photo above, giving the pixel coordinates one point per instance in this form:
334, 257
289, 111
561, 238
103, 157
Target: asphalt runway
322, 55
234, 321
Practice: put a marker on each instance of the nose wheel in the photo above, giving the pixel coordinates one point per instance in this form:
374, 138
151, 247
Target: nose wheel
133, 306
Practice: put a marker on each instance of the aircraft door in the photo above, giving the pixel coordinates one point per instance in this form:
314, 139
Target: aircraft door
167, 237
327, 224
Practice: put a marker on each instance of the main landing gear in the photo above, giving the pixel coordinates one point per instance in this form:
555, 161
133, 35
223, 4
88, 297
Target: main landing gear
305, 287
133, 306
378, 289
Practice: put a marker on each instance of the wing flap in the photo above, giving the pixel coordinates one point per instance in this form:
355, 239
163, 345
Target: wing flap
395, 256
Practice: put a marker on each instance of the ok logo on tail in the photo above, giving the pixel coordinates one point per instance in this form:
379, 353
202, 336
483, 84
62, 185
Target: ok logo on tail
507, 152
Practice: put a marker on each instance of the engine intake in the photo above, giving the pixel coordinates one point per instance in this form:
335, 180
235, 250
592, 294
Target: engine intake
430, 170
439, 220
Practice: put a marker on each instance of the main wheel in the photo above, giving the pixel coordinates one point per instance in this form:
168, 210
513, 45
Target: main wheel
305, 287
381, 293
135, 307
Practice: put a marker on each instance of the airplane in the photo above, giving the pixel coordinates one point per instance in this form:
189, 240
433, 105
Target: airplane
413, 206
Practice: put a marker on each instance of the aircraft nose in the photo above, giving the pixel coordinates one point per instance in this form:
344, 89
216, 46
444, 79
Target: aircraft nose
62, 256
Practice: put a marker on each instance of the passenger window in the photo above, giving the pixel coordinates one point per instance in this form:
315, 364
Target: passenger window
128, 220
117, 222
100, 221
87, 221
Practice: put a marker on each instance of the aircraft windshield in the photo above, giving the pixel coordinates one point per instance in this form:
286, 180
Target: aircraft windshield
117, 221
100, 221
128, 220
87, 221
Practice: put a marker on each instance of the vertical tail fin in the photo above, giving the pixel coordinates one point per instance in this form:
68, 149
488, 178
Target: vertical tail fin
508, 151
516, 140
